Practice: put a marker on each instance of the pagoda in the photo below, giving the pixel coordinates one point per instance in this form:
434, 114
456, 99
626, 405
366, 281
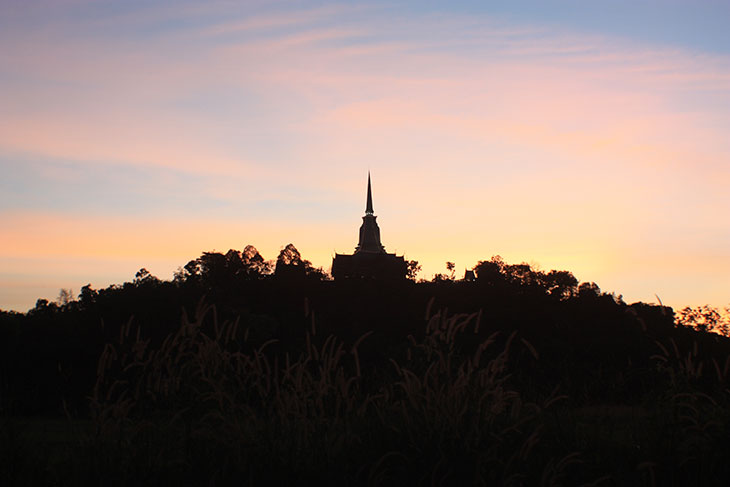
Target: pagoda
370, 260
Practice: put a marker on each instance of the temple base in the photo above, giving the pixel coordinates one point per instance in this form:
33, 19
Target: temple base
369, 265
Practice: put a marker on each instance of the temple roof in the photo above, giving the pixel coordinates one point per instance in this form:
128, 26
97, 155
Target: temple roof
370, 259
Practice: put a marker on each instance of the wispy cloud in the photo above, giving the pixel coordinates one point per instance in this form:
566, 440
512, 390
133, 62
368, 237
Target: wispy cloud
569, 145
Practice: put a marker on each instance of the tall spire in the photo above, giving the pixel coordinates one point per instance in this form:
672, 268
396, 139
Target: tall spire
370, 260
369, 207
369, 231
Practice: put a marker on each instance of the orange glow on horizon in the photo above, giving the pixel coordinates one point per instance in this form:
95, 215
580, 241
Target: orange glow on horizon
605, 156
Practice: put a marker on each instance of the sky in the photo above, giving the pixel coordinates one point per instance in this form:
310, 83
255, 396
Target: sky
571, 135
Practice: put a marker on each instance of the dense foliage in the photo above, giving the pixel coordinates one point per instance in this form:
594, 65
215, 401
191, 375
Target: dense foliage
245, 371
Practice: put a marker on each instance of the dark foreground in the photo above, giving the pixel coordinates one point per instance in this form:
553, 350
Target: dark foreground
361, 384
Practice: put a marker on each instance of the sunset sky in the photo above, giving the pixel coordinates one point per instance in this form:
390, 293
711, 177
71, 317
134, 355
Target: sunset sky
584, 136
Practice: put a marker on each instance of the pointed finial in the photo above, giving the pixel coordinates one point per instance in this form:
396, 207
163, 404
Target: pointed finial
369, 207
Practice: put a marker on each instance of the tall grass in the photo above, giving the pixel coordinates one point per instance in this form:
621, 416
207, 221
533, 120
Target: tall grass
210, 404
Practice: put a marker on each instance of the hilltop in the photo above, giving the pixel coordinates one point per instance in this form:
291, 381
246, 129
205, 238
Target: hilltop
512, 362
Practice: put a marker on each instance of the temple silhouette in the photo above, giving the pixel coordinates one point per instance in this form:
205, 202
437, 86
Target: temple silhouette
370, 260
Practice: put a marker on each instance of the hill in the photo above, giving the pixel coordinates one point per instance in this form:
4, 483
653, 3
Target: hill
236, 373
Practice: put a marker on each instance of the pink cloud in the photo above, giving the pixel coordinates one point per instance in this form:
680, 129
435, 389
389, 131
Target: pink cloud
573, 148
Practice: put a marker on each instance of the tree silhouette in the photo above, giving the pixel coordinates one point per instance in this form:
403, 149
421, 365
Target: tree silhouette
291, 266
561, 284
255, 264
558, 284
289, 255
703, 318
412, 269
65, 296
589, 290
144, 278
490, 271
451, 267
593, 348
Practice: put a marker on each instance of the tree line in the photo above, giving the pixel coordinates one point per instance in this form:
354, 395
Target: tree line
199, 370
